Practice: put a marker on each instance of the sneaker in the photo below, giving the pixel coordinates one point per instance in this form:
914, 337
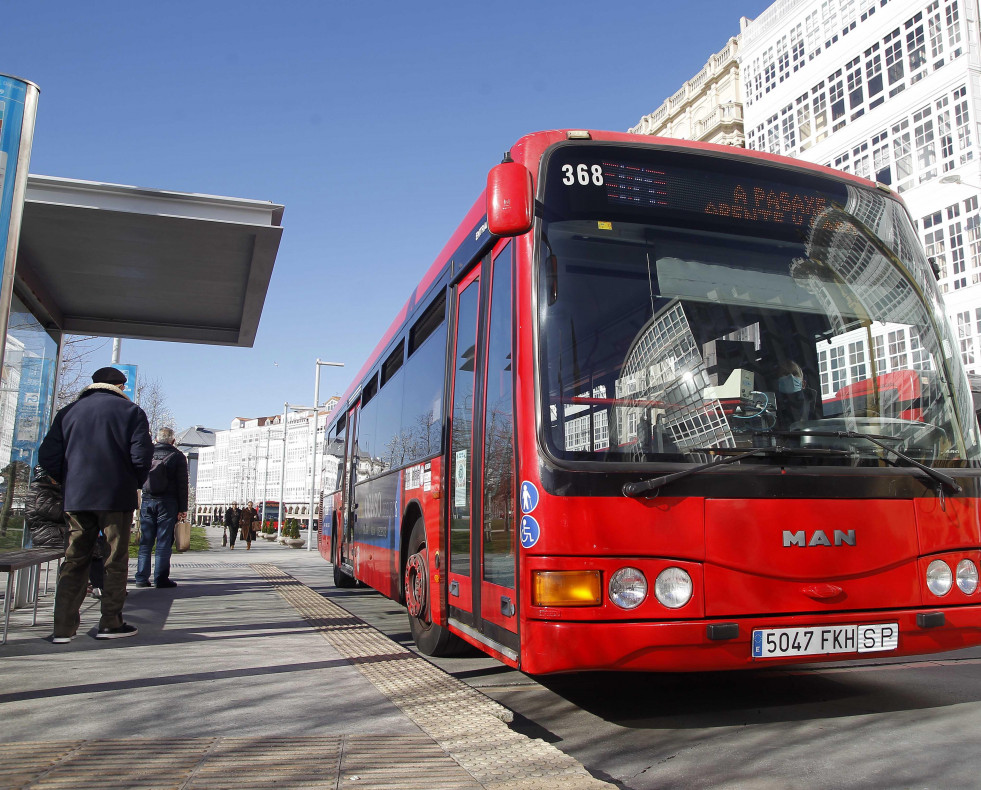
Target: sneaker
118, 633
95, 592
166, 583
62, 640
140, 583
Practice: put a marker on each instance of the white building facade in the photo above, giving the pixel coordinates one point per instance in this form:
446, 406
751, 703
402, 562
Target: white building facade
708, 107
247, 464
889, 90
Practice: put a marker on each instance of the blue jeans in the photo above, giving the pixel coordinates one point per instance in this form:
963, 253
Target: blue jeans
157, 520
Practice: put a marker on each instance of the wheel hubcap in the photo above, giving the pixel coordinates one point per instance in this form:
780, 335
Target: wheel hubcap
416, 585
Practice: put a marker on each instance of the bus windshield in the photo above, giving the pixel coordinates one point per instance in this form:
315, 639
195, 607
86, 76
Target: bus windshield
691, 304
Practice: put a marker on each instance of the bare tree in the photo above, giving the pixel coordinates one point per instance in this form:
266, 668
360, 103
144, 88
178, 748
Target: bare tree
76, 353
151, 397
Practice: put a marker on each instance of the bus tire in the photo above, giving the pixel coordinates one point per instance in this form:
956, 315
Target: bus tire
341, 579
431, 638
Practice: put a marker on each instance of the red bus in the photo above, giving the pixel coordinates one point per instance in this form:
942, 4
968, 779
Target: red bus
268, 511
587, 441
896, 394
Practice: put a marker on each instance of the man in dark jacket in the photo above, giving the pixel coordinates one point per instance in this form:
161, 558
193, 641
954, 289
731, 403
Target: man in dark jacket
99, 449
164, 504
231, 524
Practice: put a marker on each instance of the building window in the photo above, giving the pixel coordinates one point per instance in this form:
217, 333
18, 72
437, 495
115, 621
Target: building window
915, 44
897, 349
788, 132
836, 95
894, 57
965, 336
820, 104
854, 73
953, 29
902, 153
856, 361
839, 372
926, 153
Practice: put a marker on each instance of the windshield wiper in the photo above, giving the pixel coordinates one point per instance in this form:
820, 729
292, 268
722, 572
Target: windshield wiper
655, 483
940, 477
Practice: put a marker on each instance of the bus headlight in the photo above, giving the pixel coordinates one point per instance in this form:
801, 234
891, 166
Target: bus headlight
939, 579
628, 588
673, 588
967, 577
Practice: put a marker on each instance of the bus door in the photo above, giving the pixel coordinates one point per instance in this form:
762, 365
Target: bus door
482, 594
347, 515
461, 465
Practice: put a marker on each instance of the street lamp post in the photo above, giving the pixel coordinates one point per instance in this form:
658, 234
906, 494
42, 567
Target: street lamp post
282, 479
282, 476
313, 471
265, 475
956, 179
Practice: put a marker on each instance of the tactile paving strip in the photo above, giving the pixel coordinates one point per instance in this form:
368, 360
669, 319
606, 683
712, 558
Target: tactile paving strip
471, 727
276, 763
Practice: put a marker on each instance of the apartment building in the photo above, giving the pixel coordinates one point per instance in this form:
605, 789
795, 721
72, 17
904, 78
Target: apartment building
247, 463
888, 90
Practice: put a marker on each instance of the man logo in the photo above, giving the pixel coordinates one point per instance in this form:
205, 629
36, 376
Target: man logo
818, 538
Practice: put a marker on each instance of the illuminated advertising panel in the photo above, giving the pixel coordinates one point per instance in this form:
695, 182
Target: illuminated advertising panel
18, 106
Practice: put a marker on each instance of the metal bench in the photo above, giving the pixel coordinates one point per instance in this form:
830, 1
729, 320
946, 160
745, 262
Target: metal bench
11, 561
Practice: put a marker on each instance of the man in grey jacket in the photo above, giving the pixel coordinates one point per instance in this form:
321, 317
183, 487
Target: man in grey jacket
164, 504
99, 449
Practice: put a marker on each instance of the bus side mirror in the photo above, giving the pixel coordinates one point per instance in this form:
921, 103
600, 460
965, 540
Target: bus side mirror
510, 199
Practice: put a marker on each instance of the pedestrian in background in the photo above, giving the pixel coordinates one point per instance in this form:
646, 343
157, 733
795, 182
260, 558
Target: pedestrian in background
44, 512
99, 449
164, 504
247, 520
231, 524
97, 568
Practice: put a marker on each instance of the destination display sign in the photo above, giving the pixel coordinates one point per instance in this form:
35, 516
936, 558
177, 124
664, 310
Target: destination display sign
598, 180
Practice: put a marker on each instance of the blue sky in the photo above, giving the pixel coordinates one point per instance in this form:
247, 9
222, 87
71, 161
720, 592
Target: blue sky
373, 123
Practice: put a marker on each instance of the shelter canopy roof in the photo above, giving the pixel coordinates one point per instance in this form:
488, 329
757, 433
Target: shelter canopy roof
122, 261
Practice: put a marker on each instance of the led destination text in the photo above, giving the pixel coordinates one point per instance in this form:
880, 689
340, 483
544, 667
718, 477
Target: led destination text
767, 205
696, 190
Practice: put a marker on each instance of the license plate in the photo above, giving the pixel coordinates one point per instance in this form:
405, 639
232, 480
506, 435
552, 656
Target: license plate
825, 640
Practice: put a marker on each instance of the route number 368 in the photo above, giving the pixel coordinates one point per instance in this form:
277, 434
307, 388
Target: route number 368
582, 174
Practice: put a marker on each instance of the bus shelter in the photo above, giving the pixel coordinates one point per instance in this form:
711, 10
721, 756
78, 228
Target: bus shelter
127, 262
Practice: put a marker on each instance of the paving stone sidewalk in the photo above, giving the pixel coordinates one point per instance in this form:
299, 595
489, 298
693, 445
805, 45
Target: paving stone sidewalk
243, 677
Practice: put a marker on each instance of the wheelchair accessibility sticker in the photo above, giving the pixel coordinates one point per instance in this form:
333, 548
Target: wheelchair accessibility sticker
530, 532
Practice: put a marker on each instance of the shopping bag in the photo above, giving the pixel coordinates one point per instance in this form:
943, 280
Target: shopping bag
224, 537
182, 533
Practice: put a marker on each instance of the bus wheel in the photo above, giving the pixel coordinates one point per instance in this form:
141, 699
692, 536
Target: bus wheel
341, 579
431, 638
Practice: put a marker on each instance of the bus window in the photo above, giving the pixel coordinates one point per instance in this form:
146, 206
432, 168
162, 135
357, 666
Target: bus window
461, 449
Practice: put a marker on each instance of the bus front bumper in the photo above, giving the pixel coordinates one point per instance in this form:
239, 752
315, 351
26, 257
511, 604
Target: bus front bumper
725, 644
